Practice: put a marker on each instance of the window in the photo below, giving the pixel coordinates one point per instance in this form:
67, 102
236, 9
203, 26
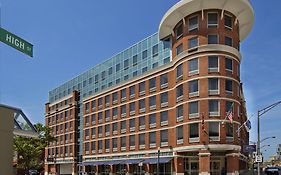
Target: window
123, 110
180, 135
228, 64
103, 75
117, 68
132, 108
164, 118
100, 117
193, 23
229, 130
164, 99
193, 132
154, 65
107, 115
141, 122
155, 50
107, 100
228, 106
93, 119
132, 124
107, 130
123, 143
212, 20
96, 78
152, 120
87, 107
152, 102
135, 60
152, 84
132, 91
213, 64
100, 102
135, 73
86, 148
228, 86
228, 41
193, 109
100, 131
132, 141
110, 70
87, 133
93, 105
114, 97
179, 49
228, 21
180, 113
179, 72
167, 43
164, 80
179, 93
123, 126
123, 94
114, 144
192, 43
142, 140
142, 88
193, 66
126, 64
152, 139
214, 131
193, 88
213, 108
87, 120
164, 137
213, 86
144, 54
179, 30
114, 128
166, 60
126, 77
212, 39
142, 105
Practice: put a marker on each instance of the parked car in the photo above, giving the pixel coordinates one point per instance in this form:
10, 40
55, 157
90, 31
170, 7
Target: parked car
33, 172
273, 170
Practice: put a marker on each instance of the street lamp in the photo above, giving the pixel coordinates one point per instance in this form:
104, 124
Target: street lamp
273, 137
264, 146
260, 113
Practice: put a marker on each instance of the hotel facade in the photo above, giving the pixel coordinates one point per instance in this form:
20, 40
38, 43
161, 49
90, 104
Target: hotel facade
162, 104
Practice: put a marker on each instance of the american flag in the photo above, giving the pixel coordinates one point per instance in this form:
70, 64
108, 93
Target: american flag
229, 114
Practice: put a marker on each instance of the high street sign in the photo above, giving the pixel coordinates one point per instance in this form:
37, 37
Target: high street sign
16, 42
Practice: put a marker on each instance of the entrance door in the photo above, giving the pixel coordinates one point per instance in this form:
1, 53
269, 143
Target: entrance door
215, 167
193, 167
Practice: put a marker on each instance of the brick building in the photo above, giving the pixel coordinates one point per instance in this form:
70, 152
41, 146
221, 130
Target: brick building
160, 103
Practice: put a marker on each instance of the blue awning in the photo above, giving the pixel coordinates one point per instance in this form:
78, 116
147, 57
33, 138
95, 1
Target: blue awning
132, 161
114, 162
155, 160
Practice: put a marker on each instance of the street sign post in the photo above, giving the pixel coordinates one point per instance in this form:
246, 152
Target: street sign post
16, 42
259, 159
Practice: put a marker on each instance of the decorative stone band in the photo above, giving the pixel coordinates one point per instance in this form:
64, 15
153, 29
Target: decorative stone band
204, 154
204, 173
233, 154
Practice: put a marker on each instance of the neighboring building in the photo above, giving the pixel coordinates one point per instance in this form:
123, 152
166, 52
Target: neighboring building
166, 97
279, 151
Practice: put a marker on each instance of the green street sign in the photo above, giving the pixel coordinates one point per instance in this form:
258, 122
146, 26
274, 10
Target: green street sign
16, 42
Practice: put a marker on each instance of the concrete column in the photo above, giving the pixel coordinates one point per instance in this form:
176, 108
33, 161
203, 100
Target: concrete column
179, 165
74, 169
204, 162
6, 143
232, 163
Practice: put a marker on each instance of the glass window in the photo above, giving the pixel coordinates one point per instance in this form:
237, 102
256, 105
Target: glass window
132, 140
93, 146
154, 65
193, 88
123, 94
213, 63
228, 64
212, 20
213, 129
180, 113
193, 23
100, 102
123, 141
117, 67
142, 139
110, 70
107, 128
132, 107
93, 105
144, 69
123, 125
126, 64
228, 41
114, 143
144, 54
142, 121
132, 123
93, 119
193, 66
135, 73
179, 72
152, 83
107, 99
193, 130
114, 127
100, 130
117, 80
228, 106
164, 135
164, 80
132, 91
126, 77
135, 60
179, 30
229, 130
166, 60
179, 92
180, 133
212, 39
152, 137
87, 120
96, 78
142, 104
155, 50
228, 21
142, 87
192, 42
100, 145
114, 97
228, 86
164, 116
164, 97
123, 109
86, 148
213, 86
193, 109
179, 49
152, 120
152, 101
213, 108
103, 75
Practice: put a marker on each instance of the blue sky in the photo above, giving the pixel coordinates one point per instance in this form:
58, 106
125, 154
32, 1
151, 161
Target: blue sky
70, 37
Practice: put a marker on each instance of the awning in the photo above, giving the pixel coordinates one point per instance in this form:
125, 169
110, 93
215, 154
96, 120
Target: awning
114, 162
155, 160
132, 161
92, 163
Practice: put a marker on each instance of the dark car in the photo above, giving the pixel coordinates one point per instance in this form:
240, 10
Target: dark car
273, 171
33, 172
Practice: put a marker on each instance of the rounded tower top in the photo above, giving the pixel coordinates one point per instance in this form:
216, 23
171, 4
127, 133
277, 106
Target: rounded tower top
242, 9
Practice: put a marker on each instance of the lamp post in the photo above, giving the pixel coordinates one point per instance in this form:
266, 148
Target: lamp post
260, 113
158, 157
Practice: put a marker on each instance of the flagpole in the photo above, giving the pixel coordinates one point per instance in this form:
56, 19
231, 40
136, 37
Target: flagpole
244, 123
228, 112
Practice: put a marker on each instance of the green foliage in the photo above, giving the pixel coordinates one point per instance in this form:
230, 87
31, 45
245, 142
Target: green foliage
30, 151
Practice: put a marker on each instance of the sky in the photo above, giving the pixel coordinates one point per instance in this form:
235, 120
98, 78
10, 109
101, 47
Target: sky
71, 36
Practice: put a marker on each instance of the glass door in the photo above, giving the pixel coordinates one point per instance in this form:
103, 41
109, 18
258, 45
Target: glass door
194, 168
215, 167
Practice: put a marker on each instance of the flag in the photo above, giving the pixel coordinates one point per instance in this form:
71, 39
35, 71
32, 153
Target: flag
229, 114
248, 125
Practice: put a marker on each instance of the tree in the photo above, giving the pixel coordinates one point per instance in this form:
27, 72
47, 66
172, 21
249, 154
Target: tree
30, 151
